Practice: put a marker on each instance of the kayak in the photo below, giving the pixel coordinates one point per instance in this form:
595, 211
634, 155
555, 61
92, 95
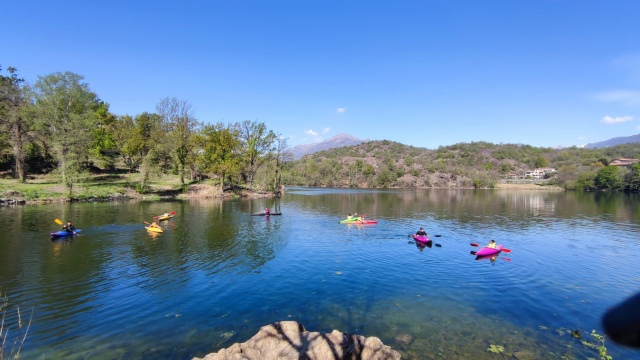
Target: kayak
358, 220
350, 221
421, 238
265, 214
367, 222
487, 257
154, 229
164, 217
487, 251
63, 233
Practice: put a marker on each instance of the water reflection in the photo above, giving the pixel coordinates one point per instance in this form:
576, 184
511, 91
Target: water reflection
217, 274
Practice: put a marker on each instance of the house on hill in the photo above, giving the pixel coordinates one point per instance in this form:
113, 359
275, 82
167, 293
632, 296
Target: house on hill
623, 162
539, 173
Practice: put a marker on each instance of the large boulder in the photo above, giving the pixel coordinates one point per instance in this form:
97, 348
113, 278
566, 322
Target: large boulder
290, 340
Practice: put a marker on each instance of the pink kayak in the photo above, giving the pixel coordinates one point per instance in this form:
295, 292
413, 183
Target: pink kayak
367, 222
487, 251
421, 238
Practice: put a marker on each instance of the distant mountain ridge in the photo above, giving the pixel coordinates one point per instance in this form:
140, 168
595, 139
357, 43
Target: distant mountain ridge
614, 141
339, 140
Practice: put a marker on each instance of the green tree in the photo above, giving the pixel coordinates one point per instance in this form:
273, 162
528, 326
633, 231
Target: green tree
123, 131
14, 121
257, 147
632, 179
104, 144
180, 123
541, 162
145, 145
220, 151
66, 109
608, 178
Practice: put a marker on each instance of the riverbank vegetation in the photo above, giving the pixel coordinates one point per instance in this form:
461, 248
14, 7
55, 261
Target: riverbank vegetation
59, 140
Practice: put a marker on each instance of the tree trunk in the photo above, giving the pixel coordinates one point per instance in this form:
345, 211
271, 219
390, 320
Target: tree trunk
18, 150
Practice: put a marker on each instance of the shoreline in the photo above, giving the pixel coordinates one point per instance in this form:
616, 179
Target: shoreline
202, 191
509, 186
195, 191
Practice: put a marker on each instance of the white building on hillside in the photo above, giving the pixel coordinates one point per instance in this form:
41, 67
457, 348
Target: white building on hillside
539, 173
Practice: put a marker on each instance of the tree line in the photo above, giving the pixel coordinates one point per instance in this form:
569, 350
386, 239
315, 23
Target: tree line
59, 126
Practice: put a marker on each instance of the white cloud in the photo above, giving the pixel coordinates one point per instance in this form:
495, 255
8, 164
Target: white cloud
326, 130
311, 132
627, 97
615, 120
341, 109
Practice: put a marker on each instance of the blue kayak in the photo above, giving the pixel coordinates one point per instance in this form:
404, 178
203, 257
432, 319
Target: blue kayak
63, 233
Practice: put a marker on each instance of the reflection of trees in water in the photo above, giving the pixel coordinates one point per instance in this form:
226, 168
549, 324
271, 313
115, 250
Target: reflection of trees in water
465, 205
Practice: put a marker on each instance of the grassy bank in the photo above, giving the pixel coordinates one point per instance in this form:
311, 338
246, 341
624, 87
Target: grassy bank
114, 186
99, 186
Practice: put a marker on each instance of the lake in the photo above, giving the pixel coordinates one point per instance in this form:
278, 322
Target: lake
217, 274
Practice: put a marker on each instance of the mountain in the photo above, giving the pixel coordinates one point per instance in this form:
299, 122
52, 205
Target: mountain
339, 140
615, 141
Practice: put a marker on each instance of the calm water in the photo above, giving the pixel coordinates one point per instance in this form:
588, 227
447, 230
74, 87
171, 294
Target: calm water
216, 275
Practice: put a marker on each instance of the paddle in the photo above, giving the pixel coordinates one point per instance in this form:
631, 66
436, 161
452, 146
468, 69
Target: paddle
58, 221
503, 249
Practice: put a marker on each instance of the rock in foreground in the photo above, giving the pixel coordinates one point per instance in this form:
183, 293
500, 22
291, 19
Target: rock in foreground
290, 340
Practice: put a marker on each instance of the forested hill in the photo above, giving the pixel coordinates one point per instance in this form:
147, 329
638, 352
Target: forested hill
465, 165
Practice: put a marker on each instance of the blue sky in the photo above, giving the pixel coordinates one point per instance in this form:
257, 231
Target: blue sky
423, 73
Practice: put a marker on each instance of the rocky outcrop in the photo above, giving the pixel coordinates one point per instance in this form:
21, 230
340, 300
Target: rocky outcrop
289, 340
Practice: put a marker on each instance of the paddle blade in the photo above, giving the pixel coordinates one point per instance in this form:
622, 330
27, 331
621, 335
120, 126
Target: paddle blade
172, 213
438, 235
473, 253
58, 221
506, 250
438, 245
474, 244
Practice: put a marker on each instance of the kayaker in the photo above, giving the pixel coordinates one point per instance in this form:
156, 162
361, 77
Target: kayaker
421, 232
69, 227
492, 244
349, 217
154, 225
267, 211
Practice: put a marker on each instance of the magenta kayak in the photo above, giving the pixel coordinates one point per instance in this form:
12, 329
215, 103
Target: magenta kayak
421, 238
487, 251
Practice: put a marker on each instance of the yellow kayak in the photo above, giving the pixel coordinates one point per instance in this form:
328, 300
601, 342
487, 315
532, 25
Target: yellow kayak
154, 229
165, 217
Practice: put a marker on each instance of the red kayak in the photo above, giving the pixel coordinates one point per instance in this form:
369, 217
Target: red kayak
367, 222
487, 251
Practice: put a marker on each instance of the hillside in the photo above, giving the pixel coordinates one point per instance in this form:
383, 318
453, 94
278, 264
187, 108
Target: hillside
385, 163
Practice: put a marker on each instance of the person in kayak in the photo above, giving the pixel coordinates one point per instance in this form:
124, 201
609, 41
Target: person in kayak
492, 244
349, 217
69, 227
154, 225
267, 211
421, 232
